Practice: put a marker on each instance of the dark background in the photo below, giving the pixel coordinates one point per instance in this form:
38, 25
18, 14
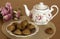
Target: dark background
30, 3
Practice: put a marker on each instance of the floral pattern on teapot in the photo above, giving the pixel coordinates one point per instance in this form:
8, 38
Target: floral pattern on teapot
41, 18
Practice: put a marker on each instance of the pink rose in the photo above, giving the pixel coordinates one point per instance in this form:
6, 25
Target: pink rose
7, 12
7, 9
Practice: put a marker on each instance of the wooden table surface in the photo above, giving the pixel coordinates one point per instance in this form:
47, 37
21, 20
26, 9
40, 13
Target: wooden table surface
19, 4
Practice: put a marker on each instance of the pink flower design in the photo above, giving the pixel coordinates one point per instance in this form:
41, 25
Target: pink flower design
39, 17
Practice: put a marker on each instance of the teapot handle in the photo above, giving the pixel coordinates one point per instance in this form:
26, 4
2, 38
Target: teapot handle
53, 9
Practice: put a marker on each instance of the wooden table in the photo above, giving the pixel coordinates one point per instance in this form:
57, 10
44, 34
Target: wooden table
30, 3
2, 36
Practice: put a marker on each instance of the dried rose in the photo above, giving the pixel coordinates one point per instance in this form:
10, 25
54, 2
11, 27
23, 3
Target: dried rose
7, 12
17, 14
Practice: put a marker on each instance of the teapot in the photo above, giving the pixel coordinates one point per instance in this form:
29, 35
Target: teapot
40, 13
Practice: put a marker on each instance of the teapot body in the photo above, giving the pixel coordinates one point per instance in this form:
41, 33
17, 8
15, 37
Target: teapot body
40, 13
41, 17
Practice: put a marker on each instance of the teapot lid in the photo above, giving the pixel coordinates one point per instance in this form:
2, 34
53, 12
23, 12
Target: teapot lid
41, 6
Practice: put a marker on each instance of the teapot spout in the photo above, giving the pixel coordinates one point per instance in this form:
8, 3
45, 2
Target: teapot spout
27, 11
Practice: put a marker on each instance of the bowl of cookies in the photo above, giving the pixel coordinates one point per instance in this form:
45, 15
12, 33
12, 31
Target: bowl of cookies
22, 28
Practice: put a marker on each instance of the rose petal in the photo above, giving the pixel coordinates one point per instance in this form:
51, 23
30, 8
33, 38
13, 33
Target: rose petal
7, 17
4, 11
8, 5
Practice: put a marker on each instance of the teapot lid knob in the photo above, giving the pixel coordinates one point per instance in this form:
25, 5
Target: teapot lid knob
41, 3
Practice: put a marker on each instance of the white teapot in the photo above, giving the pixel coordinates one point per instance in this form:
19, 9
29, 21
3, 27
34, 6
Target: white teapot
41, 14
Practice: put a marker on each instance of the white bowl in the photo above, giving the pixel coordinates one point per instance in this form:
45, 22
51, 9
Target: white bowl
37, 29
